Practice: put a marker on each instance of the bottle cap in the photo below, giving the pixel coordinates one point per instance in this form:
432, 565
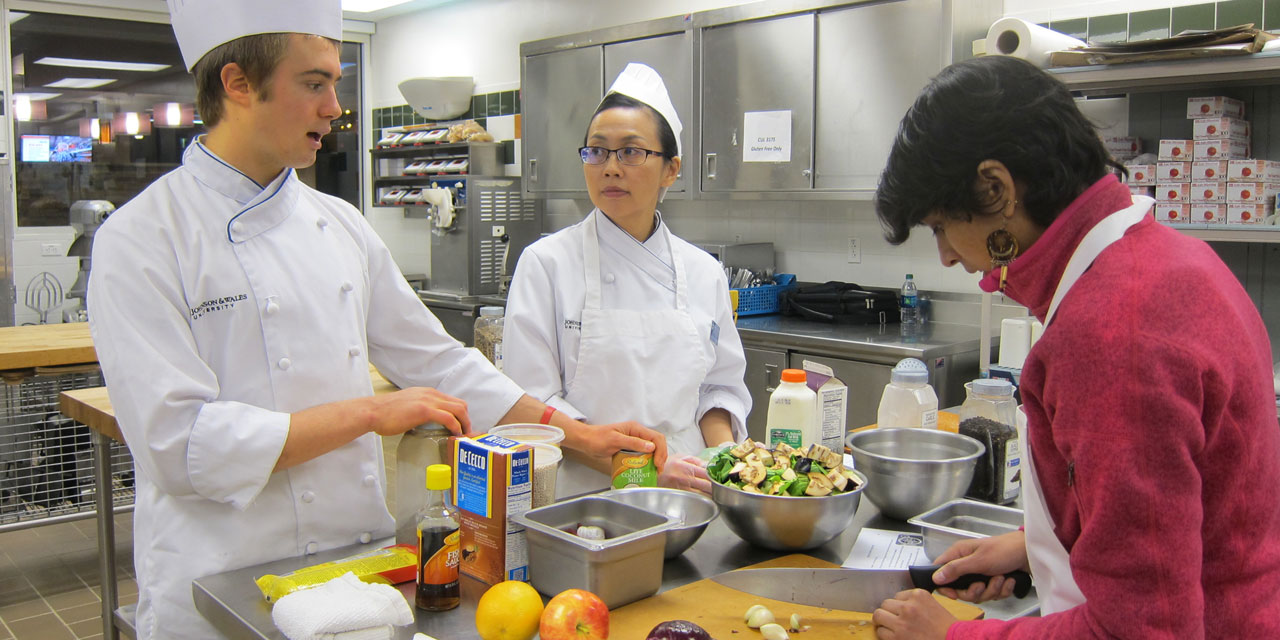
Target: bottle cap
430, 430
993, 387
909, 276
492, 311
794, 375
439, 476
909, 370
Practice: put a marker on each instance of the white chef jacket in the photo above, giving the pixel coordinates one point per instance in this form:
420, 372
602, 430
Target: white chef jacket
217, 308
541, 331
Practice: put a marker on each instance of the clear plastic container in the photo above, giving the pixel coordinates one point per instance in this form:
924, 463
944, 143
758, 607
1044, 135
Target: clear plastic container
530, 433
793, 412
909, 303
420, 447
908, 400
989, 415
488, 334
546, 464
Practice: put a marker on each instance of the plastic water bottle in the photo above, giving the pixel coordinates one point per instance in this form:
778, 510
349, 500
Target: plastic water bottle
909, 304
908, 400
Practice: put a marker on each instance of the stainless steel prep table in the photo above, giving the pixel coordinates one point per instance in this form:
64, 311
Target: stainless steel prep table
232, 603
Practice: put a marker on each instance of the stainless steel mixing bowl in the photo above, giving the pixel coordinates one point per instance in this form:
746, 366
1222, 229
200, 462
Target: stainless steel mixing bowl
910, 471
786, 523
694, 511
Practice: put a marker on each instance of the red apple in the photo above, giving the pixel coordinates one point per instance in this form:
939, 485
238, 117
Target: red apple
575, 615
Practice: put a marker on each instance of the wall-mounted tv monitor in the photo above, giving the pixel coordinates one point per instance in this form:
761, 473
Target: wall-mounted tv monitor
56, 149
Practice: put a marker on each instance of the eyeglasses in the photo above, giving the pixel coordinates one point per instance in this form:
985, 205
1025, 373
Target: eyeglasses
631, 156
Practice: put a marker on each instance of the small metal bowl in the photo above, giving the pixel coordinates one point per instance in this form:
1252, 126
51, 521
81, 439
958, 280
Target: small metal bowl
787, 523
694, 512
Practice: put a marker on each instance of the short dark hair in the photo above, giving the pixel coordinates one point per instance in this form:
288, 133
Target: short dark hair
666, 137
258, 56
988, 108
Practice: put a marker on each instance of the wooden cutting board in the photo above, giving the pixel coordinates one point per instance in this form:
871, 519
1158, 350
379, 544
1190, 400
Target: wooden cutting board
719, 610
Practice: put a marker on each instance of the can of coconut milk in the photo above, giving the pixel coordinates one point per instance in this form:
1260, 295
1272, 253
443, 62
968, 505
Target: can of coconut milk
634, 469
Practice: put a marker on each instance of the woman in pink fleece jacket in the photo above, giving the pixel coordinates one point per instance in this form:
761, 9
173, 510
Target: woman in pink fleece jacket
1148, 400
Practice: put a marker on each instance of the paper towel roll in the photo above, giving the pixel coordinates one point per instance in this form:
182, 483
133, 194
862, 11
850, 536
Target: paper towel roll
1031, 42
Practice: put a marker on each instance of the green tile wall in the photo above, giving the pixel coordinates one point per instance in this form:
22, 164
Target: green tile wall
1109, 29
499, 103
1162, 23
1149, 25
1237, 12
1196, 16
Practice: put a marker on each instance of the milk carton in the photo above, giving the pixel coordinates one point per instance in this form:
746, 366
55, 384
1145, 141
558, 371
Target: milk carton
492, 481
833, 403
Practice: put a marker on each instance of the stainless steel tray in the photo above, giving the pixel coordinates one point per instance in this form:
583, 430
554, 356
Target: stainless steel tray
956, 520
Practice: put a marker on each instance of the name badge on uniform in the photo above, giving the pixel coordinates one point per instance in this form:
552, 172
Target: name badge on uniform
715, 333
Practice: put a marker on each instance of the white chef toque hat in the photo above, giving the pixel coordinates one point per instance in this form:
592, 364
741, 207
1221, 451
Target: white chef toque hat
641, 82
202, 25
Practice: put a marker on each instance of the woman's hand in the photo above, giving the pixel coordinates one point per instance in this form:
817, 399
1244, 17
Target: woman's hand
686, 472
912, 615
994, 556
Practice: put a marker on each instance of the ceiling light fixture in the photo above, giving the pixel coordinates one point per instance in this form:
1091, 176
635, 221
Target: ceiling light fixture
81, 63
22, 108
80, 83
131, 123
35, 96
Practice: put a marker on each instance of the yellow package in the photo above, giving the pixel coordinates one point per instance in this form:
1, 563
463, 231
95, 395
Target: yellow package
388, 565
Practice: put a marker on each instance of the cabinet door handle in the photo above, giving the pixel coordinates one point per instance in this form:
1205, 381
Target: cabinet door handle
806, 173
533, 169
711, 166
770, 377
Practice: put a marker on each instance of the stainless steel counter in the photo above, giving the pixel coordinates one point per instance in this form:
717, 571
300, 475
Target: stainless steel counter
232, 603
870, 343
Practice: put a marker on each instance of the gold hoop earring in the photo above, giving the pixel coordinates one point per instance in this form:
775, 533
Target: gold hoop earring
1002, 246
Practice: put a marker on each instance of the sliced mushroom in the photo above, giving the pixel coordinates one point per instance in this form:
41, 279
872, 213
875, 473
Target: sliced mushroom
819, 485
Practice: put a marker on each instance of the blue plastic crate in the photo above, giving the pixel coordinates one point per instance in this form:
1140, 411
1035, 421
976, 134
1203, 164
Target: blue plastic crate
754, 301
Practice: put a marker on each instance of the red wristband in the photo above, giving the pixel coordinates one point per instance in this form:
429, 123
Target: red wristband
546, 415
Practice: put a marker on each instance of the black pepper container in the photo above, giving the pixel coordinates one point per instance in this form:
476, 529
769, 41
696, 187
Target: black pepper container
988, 415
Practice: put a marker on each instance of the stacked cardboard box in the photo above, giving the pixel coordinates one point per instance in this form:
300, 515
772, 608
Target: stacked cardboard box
1193, 177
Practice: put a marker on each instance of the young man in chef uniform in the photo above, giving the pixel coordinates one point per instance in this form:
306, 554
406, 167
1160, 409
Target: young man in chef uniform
616, 316
235, 312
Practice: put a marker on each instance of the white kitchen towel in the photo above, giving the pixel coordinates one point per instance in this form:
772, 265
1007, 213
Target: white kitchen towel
344, 604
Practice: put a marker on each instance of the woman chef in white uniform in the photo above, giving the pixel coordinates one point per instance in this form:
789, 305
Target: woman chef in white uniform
615, 317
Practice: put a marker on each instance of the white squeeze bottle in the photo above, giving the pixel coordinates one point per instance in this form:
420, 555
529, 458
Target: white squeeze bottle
793, 412
908, 400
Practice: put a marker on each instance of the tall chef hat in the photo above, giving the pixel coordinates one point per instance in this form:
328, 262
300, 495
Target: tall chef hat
202, 25
641, 82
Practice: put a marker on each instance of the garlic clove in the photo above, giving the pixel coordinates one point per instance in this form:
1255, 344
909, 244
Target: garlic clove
773, 631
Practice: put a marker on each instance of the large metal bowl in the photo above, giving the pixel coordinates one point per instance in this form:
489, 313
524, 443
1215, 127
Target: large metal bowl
910, 471
787, 523
694, 512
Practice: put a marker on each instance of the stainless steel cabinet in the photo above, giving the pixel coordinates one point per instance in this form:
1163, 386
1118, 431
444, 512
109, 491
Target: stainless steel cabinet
764, 366
671, 57
872, 62
560, 90
766, 65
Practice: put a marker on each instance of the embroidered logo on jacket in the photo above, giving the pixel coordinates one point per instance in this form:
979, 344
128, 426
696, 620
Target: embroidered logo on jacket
573, 325
216, 304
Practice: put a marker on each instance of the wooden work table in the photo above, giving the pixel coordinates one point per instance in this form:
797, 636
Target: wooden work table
45, 345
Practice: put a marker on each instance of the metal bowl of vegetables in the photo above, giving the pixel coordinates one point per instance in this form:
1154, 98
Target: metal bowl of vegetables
784, 498
694, 512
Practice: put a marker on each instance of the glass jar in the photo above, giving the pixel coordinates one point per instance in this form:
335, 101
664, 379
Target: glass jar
989, 416
488, 334
420, 447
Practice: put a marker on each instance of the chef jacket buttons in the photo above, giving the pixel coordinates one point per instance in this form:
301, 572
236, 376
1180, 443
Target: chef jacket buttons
347, 287
284, 363
237, 227
353, 351
312, 547
365, 537
608, 278
272, 308
369, 480
308, 496
322, 223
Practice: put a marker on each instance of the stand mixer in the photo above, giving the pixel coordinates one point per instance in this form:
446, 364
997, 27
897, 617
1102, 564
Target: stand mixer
86, 217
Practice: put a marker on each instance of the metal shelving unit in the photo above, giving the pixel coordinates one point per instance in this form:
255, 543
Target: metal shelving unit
46, 459
1258, 68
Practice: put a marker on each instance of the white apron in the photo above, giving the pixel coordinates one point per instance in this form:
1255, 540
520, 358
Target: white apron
645, 366
1049, 560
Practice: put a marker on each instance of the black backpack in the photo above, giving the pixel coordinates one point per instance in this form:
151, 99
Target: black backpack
842, 302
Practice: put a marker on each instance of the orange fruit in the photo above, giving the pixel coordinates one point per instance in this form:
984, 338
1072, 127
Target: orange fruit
509, 610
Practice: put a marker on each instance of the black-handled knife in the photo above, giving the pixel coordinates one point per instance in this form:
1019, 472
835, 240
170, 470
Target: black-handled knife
848, 589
